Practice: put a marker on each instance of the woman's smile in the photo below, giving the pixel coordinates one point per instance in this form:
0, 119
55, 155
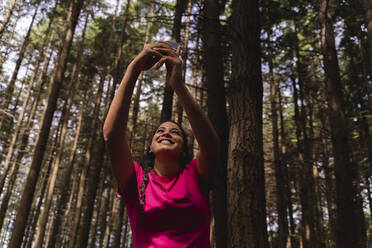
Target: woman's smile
166, 141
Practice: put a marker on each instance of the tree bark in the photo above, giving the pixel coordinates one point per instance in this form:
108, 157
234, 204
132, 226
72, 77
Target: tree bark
184, 56
346, 176
62, 201
136, 99
281, 201
56, 164
87, 162
216, 102
10, 88
246, 190
55, 84
38, 62
38, 201
113, 204
118, 224
166, 111
7, 16
367, 6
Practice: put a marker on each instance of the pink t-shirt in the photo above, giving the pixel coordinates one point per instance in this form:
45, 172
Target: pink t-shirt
176, 209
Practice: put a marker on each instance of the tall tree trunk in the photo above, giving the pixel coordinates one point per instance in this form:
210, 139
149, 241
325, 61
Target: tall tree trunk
115, 66
281, 201
87, 162
7, 46
24, 140
62, 201
37, 201
346, 176
136, 99
367, 5
118, 224
64, 117
7, 16
55, 84
98, 213
216, 101
25, 103
246, 190
10, 88
310, 226
94, 165
113, 204
91, 189
166, 111
184, 58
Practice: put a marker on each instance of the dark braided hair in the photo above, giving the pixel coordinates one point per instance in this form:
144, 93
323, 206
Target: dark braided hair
147, 164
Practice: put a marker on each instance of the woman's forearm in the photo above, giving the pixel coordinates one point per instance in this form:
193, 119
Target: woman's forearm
117, 117
203, 129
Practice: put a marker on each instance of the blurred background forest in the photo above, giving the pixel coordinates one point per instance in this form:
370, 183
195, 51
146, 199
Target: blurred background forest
286, 83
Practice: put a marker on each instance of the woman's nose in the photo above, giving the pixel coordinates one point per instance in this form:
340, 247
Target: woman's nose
166, 134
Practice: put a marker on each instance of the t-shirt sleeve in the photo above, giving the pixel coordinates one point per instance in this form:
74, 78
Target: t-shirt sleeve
204, 186
132, 188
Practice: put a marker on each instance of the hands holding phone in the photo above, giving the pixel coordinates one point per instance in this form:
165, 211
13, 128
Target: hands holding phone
160, 53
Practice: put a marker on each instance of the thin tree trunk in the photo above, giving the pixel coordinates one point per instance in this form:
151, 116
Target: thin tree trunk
74, 84
310, 226
8, 45
286, 177
33, 218
10, 88
346, 177
166, 111
55, 84
367, 6
246, 190
48, 201
63, 200
87, 162
23, 144
15, 165
98, 213
7, 16
94, 167
136, 99
216, 101
103, 216
184, 58
113, 204
24, 106
119, 224
281, 201
116, 66
92, 189
25, 103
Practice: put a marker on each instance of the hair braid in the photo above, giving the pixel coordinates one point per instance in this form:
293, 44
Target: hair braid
145, 176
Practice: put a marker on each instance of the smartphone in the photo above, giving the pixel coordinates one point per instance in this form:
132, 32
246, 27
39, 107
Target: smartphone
174, 45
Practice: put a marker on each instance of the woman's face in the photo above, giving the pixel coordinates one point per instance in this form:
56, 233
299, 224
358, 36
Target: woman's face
168, 140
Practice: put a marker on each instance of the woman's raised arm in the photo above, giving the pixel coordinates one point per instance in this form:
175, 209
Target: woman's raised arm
116, 121
202, 128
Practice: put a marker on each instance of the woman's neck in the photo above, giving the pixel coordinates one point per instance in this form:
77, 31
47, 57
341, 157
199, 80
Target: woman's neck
166, 167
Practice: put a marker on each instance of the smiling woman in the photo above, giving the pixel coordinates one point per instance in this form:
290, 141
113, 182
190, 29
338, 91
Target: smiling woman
166, 195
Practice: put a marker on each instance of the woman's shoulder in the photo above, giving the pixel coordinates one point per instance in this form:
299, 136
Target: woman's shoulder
192, 164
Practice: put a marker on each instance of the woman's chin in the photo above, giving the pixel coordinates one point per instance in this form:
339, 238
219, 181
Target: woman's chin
167, 152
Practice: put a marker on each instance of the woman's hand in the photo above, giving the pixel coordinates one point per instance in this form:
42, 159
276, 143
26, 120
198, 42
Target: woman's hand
147, 58
172, 62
